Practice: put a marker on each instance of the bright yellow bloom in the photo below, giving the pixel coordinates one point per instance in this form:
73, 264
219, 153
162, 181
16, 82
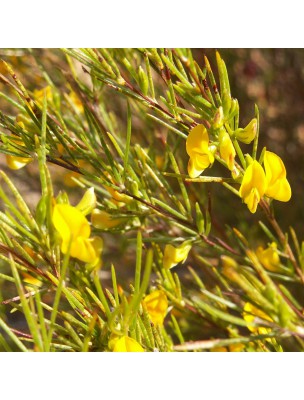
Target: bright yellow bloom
269, 257
127, 344
247, 134
73, 226
103, 220
157, 305
253, 186
278, 187
227, 150
249, 314
174, 255
197, 147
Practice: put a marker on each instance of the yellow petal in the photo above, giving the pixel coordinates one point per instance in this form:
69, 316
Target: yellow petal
197, 147
15, 163
197, 140
30, 279
88, 202
193, 170
103, 220
249, 315
120, 197
252, 200
127, 344
157, 305
174, 255
269, 257
247, 134
278, 187
97, 243
69, 221
197, 164
227, 150
84, 250
253, 185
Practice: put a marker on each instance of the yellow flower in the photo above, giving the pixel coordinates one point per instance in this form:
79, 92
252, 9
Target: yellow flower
15, 162
174, 255
227, 150
157, 305
127, 344
73, 226
197, 147
247, 134
253, 185
269, 257
278, 187
39, 95
103, 220
249, 314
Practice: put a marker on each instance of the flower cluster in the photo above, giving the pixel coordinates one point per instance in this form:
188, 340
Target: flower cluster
257, 182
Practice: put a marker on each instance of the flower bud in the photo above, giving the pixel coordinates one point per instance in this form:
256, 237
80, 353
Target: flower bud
247, 134
218, 118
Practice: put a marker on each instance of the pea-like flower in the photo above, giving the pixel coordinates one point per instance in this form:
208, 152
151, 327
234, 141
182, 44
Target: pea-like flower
226, 147
253, 186
269, 257
175, 255
197, 147
157, 305
278, 186
74, 228
127, 344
